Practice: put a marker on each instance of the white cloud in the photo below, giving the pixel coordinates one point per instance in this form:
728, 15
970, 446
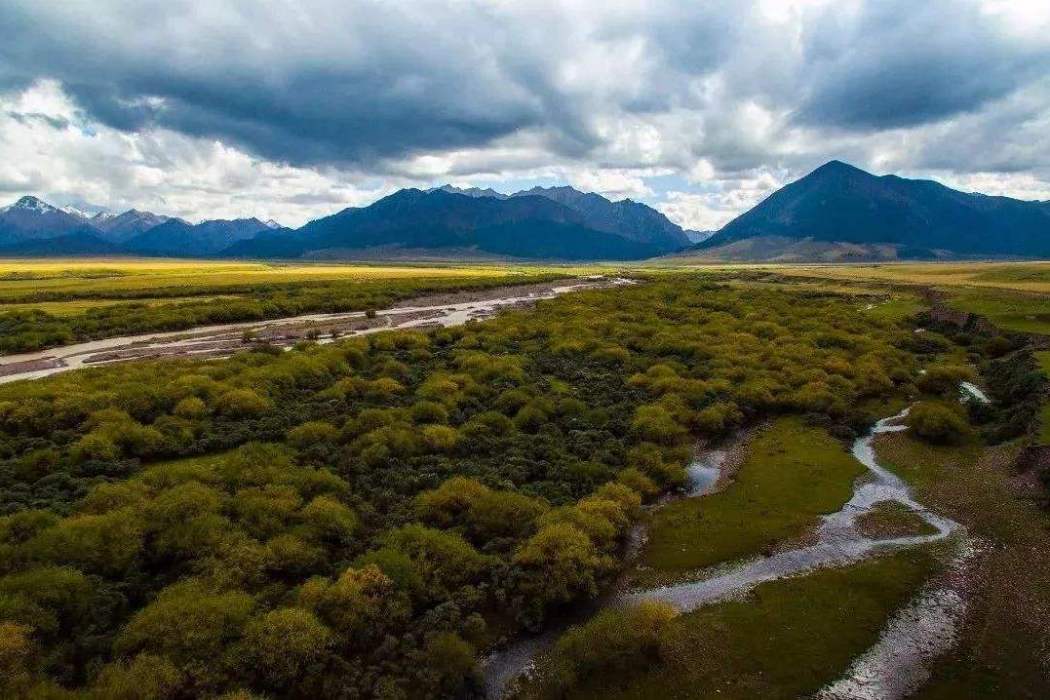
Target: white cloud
719, 204
50, 150
293, 110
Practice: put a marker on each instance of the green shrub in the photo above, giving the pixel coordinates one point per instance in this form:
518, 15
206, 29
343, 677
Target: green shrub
938, 422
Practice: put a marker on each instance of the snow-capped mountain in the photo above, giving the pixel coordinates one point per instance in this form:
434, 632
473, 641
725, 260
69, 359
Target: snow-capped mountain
131, 223
31, 218
87, 212
471, 191
30, 204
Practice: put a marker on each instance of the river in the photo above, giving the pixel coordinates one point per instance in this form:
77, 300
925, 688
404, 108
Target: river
895, 667
226, 339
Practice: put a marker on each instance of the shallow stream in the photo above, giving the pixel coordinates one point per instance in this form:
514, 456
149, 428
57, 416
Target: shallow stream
912, 638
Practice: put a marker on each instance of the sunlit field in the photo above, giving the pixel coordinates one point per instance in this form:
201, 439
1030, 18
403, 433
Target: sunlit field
1022, 276
20, 279
57, 302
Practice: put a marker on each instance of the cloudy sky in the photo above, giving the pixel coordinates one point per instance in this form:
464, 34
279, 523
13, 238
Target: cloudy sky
291, 109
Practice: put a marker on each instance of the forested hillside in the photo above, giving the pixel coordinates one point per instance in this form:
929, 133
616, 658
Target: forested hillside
365, 518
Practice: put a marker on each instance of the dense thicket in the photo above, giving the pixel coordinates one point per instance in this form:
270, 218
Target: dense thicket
24, 330
361, 519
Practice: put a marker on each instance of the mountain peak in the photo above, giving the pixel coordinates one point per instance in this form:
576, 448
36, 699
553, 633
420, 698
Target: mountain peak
838, 168
469, 191
31, 203
839, 204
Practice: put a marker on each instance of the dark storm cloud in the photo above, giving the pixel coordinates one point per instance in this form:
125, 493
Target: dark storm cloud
347, 83
367, 83
901, 63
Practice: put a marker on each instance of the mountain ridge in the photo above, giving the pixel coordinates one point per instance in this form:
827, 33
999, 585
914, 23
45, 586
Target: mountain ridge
840, 203
835, 212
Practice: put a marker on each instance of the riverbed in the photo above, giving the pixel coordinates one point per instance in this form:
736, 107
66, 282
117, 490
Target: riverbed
226, 339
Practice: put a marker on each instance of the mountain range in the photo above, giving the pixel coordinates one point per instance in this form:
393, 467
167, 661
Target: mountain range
840, 212
32, 227
543, 223
837, 212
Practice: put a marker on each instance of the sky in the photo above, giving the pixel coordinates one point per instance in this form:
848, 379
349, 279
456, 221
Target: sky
294, 109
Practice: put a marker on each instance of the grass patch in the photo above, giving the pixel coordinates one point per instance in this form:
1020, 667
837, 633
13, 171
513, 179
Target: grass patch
74, 308
25, 280
1007, 310
1044, 425
892, 519
896, 308
786, 640
1005, 643
1043, 358
793, 474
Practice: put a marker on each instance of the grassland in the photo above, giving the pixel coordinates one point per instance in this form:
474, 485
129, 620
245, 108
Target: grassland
45, 304
1043, 358
1006, 641
1014, 296
892, 519
787, 639
792, 474
28, 281
1018, 276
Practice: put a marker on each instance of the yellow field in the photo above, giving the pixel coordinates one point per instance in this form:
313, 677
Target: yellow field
1019, 276
19, 278
72, 308
1015, 295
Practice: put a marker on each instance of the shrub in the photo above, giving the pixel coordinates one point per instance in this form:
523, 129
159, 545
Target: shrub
943, 379
614, 639
190, 408
145, 676
937, 422
282, 644
242, 403
655, 423
311, 434
560, 563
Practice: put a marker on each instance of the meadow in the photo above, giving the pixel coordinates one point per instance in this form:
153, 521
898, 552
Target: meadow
371, 517
44, 304
443, 489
